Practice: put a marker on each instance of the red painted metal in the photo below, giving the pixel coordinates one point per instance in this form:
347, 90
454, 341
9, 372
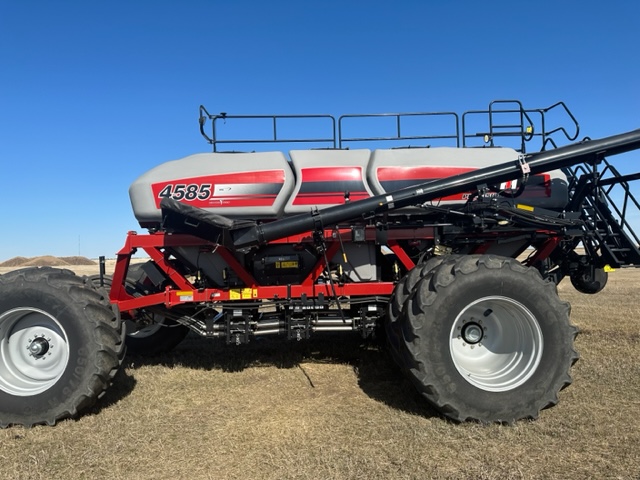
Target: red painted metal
238, 269
157, 244
544, 251
401, 254
183, 291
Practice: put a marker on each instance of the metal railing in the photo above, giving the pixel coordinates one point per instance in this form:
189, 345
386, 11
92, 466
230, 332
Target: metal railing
273, 121
399, 117
503, 119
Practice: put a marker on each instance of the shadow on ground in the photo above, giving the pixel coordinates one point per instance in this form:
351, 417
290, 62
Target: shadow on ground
123, 385
377, 374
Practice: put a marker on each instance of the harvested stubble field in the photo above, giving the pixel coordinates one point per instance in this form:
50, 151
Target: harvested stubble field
336, 408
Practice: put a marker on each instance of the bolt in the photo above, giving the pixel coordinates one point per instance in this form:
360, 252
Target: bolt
473, 333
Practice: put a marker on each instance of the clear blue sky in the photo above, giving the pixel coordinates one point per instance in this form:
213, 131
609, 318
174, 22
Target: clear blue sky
93, 94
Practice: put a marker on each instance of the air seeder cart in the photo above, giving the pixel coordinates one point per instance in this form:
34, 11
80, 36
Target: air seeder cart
449, 245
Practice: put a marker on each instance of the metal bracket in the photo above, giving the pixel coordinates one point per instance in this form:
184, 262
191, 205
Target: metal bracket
238, 326
298, 327
317, 220
525, 167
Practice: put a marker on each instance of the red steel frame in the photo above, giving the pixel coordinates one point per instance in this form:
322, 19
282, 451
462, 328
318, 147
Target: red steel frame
154, 244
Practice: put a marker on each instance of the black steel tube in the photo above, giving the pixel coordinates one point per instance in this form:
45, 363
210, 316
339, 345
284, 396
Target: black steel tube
103, 269
586, 151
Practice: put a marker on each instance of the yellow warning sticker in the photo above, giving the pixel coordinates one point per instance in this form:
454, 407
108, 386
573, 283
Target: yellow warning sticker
287, 264
521, 206
185, 295
243, 294
247, 293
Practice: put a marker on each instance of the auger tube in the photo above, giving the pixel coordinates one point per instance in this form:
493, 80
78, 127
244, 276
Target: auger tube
587, 151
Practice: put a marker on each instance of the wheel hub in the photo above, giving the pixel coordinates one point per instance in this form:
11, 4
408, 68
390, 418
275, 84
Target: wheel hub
472, 333
39, 347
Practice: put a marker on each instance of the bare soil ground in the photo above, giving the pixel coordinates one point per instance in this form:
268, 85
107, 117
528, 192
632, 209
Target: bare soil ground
335, 408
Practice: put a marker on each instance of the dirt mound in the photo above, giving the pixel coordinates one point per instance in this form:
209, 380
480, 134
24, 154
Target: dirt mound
14, 262
78, 261
46, 261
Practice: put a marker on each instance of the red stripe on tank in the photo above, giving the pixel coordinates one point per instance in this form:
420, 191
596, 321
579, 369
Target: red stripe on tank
331, 174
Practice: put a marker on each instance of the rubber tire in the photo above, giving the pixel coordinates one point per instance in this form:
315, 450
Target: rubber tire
427, 326
401, 293
159, 342
582, 282
94, 335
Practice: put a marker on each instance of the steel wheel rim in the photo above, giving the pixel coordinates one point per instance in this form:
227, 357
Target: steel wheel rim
34, 351
496, 343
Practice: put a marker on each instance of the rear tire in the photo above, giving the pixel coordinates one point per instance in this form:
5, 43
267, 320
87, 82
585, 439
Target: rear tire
59, 346
487, 339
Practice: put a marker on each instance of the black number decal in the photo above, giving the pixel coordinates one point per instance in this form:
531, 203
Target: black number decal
166, 192
192, 192
205, 191
189, 192
178, 193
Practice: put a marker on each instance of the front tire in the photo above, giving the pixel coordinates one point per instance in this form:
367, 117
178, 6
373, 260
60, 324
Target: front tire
487, 339
59, 346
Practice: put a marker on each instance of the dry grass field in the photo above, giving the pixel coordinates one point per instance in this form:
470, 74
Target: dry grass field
334, 408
